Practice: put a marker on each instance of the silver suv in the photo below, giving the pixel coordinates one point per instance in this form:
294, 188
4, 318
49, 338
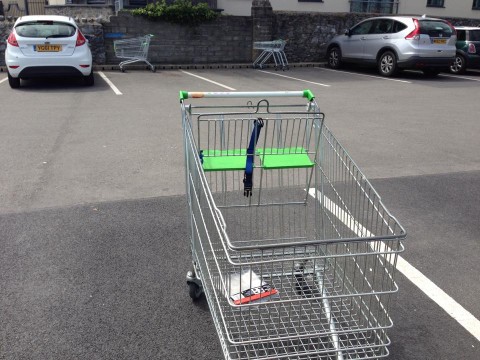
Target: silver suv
396, 42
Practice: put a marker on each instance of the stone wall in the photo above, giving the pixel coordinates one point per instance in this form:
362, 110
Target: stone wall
5, 27
81, 11
307, 34
227, 39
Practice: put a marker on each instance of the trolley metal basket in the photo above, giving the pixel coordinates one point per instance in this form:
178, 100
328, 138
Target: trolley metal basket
134, 50
293, 248
271, 49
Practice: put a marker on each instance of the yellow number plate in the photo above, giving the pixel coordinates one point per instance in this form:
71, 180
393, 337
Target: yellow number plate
439, 41
48, 48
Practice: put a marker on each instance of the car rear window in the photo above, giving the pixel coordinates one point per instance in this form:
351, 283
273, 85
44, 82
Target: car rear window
474, 35
45, 29
434, 28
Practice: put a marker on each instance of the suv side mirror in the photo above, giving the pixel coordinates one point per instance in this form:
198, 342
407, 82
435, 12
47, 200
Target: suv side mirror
347, 32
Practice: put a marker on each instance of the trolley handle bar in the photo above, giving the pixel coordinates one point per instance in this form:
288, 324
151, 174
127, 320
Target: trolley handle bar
246, 94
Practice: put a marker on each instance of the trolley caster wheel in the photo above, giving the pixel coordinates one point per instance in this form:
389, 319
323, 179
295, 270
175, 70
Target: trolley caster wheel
122, 69
194, 291
154, 69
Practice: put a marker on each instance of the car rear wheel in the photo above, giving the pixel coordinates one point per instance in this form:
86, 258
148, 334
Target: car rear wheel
459, 65
14, 82
89, 80
334, 58
387, 64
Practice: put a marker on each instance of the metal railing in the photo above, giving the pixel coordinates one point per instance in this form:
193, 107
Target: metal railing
89, 2
374, 6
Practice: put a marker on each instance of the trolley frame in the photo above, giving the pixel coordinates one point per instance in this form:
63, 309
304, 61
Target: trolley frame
316, 232
270, 49
133, 50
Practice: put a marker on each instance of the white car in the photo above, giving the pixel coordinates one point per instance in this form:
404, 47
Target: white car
47, 46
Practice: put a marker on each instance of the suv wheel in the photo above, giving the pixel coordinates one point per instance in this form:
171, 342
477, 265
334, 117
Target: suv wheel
334, 58
387, 64
13, 82
459, 65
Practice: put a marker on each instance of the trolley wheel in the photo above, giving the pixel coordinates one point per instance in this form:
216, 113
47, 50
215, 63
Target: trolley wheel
122, 69
194, 291
154, 69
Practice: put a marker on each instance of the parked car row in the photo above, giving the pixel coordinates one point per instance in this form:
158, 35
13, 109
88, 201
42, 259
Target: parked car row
394, 43
46, 46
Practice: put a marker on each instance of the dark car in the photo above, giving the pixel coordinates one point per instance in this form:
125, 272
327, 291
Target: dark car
468, 49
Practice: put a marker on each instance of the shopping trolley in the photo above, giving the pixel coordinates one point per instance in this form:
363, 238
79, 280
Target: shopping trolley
134, 50
271, 49
291, 245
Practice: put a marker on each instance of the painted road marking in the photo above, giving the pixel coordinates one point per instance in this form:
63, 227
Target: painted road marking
366, 75
210, 81
460, 77
4, 79
109, 82
289, 77
447, 303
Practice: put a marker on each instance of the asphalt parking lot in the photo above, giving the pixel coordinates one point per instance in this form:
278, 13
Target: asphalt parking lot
93, 211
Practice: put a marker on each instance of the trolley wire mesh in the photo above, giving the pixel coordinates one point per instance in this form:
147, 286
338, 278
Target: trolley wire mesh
318, 234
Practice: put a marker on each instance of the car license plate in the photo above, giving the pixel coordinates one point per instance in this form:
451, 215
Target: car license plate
48, 48
439, 41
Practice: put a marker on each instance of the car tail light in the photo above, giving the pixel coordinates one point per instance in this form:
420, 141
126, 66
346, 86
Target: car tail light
472, 49
80, 39
12, 40
415, 34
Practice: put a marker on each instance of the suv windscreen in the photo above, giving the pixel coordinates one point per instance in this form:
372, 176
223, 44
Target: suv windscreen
45, 29
435, 28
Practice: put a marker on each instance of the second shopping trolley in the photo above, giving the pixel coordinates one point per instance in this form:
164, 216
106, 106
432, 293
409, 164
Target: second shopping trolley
271, 49
293, 248
133, 50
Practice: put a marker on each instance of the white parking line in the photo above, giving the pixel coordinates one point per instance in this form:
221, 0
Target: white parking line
371, 76
447, 303
4, 79
109, 82
210, 81
289, 77
460, 77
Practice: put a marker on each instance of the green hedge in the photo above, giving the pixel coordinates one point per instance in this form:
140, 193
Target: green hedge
180, 12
